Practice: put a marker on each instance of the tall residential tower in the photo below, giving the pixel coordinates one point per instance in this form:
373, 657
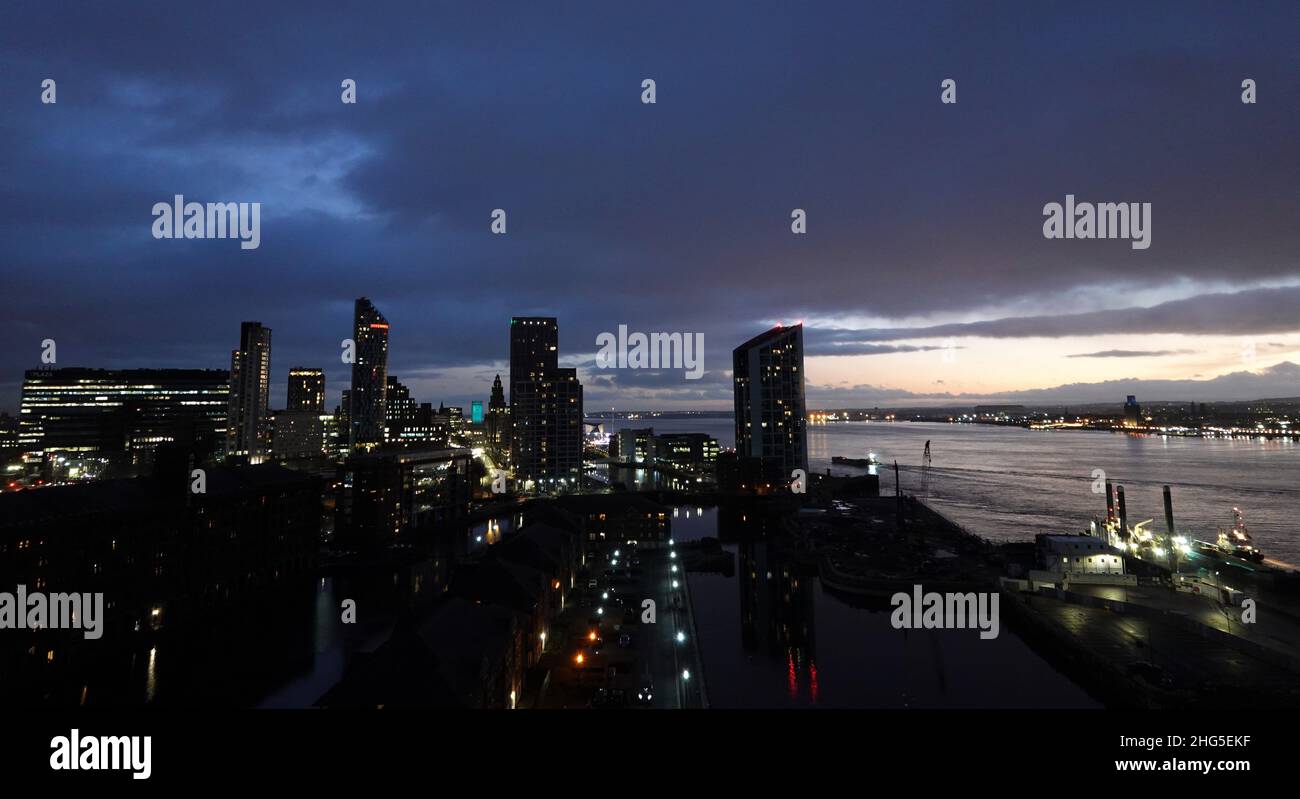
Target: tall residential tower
545, 408
369, 376
248, 423
767, 372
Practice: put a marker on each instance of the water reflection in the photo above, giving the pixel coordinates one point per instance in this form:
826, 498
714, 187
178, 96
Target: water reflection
777, 614
778, 638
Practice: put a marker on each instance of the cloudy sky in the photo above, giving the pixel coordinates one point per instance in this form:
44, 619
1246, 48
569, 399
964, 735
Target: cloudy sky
924, 273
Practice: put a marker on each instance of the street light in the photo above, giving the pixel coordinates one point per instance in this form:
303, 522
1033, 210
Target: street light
686, 675
681, 637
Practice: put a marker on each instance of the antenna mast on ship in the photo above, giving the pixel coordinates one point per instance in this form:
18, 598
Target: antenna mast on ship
925, 471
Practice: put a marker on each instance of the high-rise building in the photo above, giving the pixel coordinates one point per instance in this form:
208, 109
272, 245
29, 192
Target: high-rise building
547, 443
123, 411
545, 408
306, 390
399, 409
534, 348
343, 425
1132, 412
454, 416
498, 422
248, 422
369, 376
8, 432
769, 395
476, 412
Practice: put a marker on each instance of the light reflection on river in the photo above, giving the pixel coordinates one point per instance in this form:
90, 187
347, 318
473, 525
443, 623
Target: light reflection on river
1009, 483
774, 637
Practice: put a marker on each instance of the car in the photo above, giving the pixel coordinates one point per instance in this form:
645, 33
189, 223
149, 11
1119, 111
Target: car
646, 693
625, 640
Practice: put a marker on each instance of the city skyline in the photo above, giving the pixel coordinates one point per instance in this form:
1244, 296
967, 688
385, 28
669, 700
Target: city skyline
933, 362
1279, 381
924, 274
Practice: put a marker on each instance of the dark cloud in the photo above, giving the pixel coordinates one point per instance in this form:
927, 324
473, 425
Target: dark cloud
1276, 382
1130, 353
666, 217
814, 345
1243, 313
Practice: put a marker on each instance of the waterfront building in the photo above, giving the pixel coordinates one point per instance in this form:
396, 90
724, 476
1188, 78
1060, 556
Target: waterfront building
634, 445
768, 383
1132, 412
686, 450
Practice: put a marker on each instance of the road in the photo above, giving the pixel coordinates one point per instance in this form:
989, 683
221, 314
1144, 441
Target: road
662, 652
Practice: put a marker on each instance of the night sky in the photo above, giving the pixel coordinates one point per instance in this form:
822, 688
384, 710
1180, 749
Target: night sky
924, 274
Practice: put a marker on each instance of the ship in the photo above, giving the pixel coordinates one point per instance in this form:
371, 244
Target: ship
1234, 541
870, 460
